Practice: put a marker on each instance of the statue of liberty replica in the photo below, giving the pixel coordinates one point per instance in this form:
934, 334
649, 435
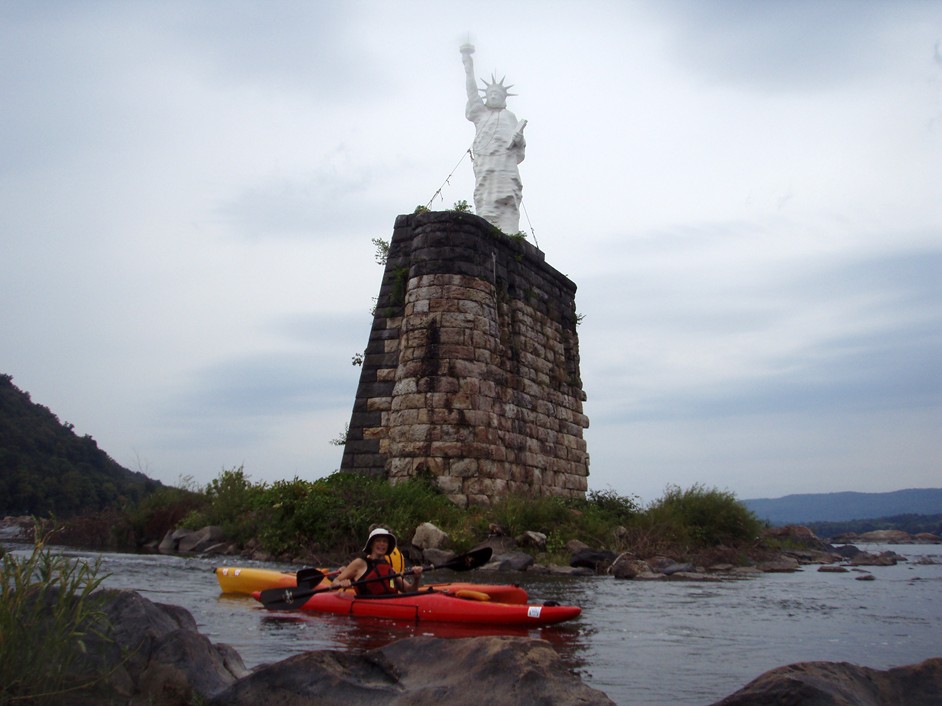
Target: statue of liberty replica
497, 149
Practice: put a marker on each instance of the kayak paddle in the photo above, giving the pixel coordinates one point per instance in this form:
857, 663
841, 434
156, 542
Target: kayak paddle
309, 578
292, 598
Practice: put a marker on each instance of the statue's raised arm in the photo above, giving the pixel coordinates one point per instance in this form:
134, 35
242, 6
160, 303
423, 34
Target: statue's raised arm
470, 82
498, 148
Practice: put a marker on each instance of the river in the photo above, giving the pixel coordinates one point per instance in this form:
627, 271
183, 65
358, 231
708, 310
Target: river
639, 642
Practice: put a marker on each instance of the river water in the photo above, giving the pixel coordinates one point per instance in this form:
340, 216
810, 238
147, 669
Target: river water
639, 642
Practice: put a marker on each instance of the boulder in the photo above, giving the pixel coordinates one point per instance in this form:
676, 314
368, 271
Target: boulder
140, 652
678, 568
536, 540
575, 545
419, 671
437, 556
658, 563
428, 536
886, 537
597, 559
168, 545
499, 544
848, 551
626, 566
783, 564
16, 528
721, 568
559, 570
843, 684
200, 540
511, 561
813, 556
690, 576
651, 576
795, 534
882, 559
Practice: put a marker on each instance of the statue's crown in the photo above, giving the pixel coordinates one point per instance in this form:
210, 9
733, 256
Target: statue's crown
499, 85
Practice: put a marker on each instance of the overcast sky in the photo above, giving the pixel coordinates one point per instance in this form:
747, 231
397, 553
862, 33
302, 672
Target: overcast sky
748, 196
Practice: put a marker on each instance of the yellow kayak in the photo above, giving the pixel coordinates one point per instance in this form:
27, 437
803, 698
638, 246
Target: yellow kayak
234, 579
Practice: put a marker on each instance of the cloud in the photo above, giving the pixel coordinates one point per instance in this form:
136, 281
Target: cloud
746, 195
786, 47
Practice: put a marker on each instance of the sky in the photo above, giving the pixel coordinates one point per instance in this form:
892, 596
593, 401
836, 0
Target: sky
747, 195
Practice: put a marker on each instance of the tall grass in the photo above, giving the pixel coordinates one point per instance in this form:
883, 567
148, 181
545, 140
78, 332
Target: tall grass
46, 612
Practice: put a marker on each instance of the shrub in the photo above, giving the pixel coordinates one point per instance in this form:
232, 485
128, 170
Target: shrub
700, 517
230, 502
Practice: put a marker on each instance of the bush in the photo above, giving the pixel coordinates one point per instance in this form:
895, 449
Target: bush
53, 591
230, 501
699, 517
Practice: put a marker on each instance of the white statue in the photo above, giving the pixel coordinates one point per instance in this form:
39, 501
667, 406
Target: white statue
497, 150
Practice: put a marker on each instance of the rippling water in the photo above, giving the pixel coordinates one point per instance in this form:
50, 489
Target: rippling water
639, 642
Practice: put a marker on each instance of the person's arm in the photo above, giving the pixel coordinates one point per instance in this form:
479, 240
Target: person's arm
414, 582
350, 573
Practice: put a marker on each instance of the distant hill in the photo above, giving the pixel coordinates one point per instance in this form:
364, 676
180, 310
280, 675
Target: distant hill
840, 507
45, 468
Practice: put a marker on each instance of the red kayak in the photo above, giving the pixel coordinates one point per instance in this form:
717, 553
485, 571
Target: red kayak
248, 580
440, 606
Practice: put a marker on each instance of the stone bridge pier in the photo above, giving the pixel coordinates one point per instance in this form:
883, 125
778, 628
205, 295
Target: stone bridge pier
471, 372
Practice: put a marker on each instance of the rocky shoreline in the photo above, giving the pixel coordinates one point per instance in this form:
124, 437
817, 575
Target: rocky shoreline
795, 548
779, 550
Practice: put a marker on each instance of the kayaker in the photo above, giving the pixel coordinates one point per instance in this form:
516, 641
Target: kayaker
373, 565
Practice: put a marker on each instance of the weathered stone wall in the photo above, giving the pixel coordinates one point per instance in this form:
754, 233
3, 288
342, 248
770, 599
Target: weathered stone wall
471, 372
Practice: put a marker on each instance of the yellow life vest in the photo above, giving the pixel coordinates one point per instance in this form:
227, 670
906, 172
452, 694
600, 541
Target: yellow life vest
396, 560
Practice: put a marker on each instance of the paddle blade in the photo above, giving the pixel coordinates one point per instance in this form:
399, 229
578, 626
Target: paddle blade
310, 578
289, 598
469, 560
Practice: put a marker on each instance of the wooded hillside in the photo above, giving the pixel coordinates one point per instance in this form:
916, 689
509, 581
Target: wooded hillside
46, 469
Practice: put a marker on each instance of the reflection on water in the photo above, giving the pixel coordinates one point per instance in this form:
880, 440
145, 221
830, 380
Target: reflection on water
641, 643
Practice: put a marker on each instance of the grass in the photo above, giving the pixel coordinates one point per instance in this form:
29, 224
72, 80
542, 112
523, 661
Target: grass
54, 592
